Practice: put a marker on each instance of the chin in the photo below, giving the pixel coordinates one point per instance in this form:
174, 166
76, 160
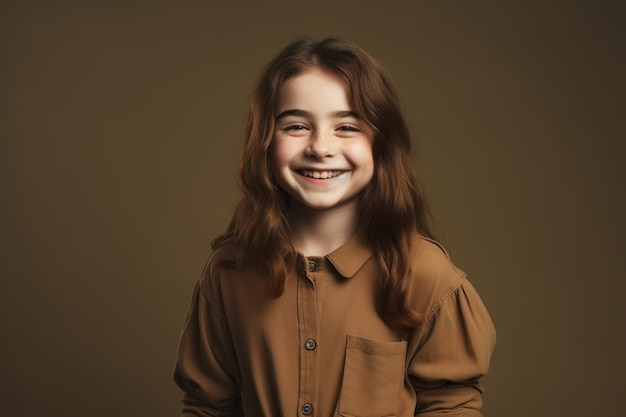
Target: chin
320, 206
324, 205
316, 204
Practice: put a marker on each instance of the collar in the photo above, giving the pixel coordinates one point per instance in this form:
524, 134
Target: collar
350, 257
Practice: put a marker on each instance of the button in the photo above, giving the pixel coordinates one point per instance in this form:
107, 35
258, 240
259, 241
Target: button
310, 344
307, 409
312, 265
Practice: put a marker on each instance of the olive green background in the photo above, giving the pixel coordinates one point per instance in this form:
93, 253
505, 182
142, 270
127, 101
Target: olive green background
120, 124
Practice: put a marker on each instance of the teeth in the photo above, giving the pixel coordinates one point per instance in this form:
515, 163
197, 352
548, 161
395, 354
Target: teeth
320, 174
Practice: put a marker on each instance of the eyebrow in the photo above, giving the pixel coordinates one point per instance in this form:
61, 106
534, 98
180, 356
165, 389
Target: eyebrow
304, 113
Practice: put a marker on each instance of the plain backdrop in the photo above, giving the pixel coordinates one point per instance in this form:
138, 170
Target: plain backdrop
120, 123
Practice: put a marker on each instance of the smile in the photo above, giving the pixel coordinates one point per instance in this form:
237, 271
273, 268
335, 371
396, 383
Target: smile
319, 174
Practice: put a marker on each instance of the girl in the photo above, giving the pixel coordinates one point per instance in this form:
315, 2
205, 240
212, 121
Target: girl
326, 296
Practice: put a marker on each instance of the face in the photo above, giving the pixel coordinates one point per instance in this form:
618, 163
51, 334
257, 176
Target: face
321, 152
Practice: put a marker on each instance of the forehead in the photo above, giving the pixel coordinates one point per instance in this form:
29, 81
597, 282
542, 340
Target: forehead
314, 89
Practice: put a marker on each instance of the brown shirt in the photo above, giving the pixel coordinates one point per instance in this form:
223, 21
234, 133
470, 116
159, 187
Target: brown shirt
321, 349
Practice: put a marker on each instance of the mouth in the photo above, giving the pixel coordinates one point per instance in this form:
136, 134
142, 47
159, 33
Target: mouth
319, 174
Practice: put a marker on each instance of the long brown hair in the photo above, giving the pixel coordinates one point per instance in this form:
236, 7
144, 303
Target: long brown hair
392, 206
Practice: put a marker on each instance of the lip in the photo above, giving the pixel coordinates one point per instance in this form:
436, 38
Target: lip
319, 176
320, 173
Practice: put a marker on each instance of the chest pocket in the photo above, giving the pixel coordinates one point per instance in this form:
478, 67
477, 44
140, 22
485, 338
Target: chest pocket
373, 377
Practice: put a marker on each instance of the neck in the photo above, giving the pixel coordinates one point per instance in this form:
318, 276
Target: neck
319, 232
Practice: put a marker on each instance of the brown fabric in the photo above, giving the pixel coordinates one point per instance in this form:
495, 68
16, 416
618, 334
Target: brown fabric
244, 354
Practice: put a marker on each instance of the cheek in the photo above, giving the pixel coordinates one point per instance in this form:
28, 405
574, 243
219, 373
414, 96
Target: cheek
363, 158
279, 157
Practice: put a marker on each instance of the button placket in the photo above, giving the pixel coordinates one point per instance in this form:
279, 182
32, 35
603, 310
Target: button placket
308, 333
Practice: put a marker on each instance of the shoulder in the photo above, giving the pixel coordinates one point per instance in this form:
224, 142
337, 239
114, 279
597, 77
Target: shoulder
429, 260
223, 259
434, 275
227, 254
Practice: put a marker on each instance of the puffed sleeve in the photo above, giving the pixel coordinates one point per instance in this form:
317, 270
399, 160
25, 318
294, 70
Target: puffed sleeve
206, 367
452, 351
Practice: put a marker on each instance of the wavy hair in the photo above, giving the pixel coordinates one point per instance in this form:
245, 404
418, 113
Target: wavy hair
393, 206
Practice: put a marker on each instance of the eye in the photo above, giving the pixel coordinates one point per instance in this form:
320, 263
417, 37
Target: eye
348, 128
296, 127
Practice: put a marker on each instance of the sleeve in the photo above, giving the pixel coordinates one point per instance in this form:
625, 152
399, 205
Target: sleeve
205, 365
453, 350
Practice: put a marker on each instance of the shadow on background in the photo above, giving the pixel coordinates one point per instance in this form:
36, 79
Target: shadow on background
120, 125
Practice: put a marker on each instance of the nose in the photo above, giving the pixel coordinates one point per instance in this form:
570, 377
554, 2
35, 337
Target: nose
321, 145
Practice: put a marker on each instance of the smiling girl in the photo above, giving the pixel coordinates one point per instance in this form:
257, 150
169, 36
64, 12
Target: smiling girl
327, 296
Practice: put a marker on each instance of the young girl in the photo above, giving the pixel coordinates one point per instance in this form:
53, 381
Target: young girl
327, 296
